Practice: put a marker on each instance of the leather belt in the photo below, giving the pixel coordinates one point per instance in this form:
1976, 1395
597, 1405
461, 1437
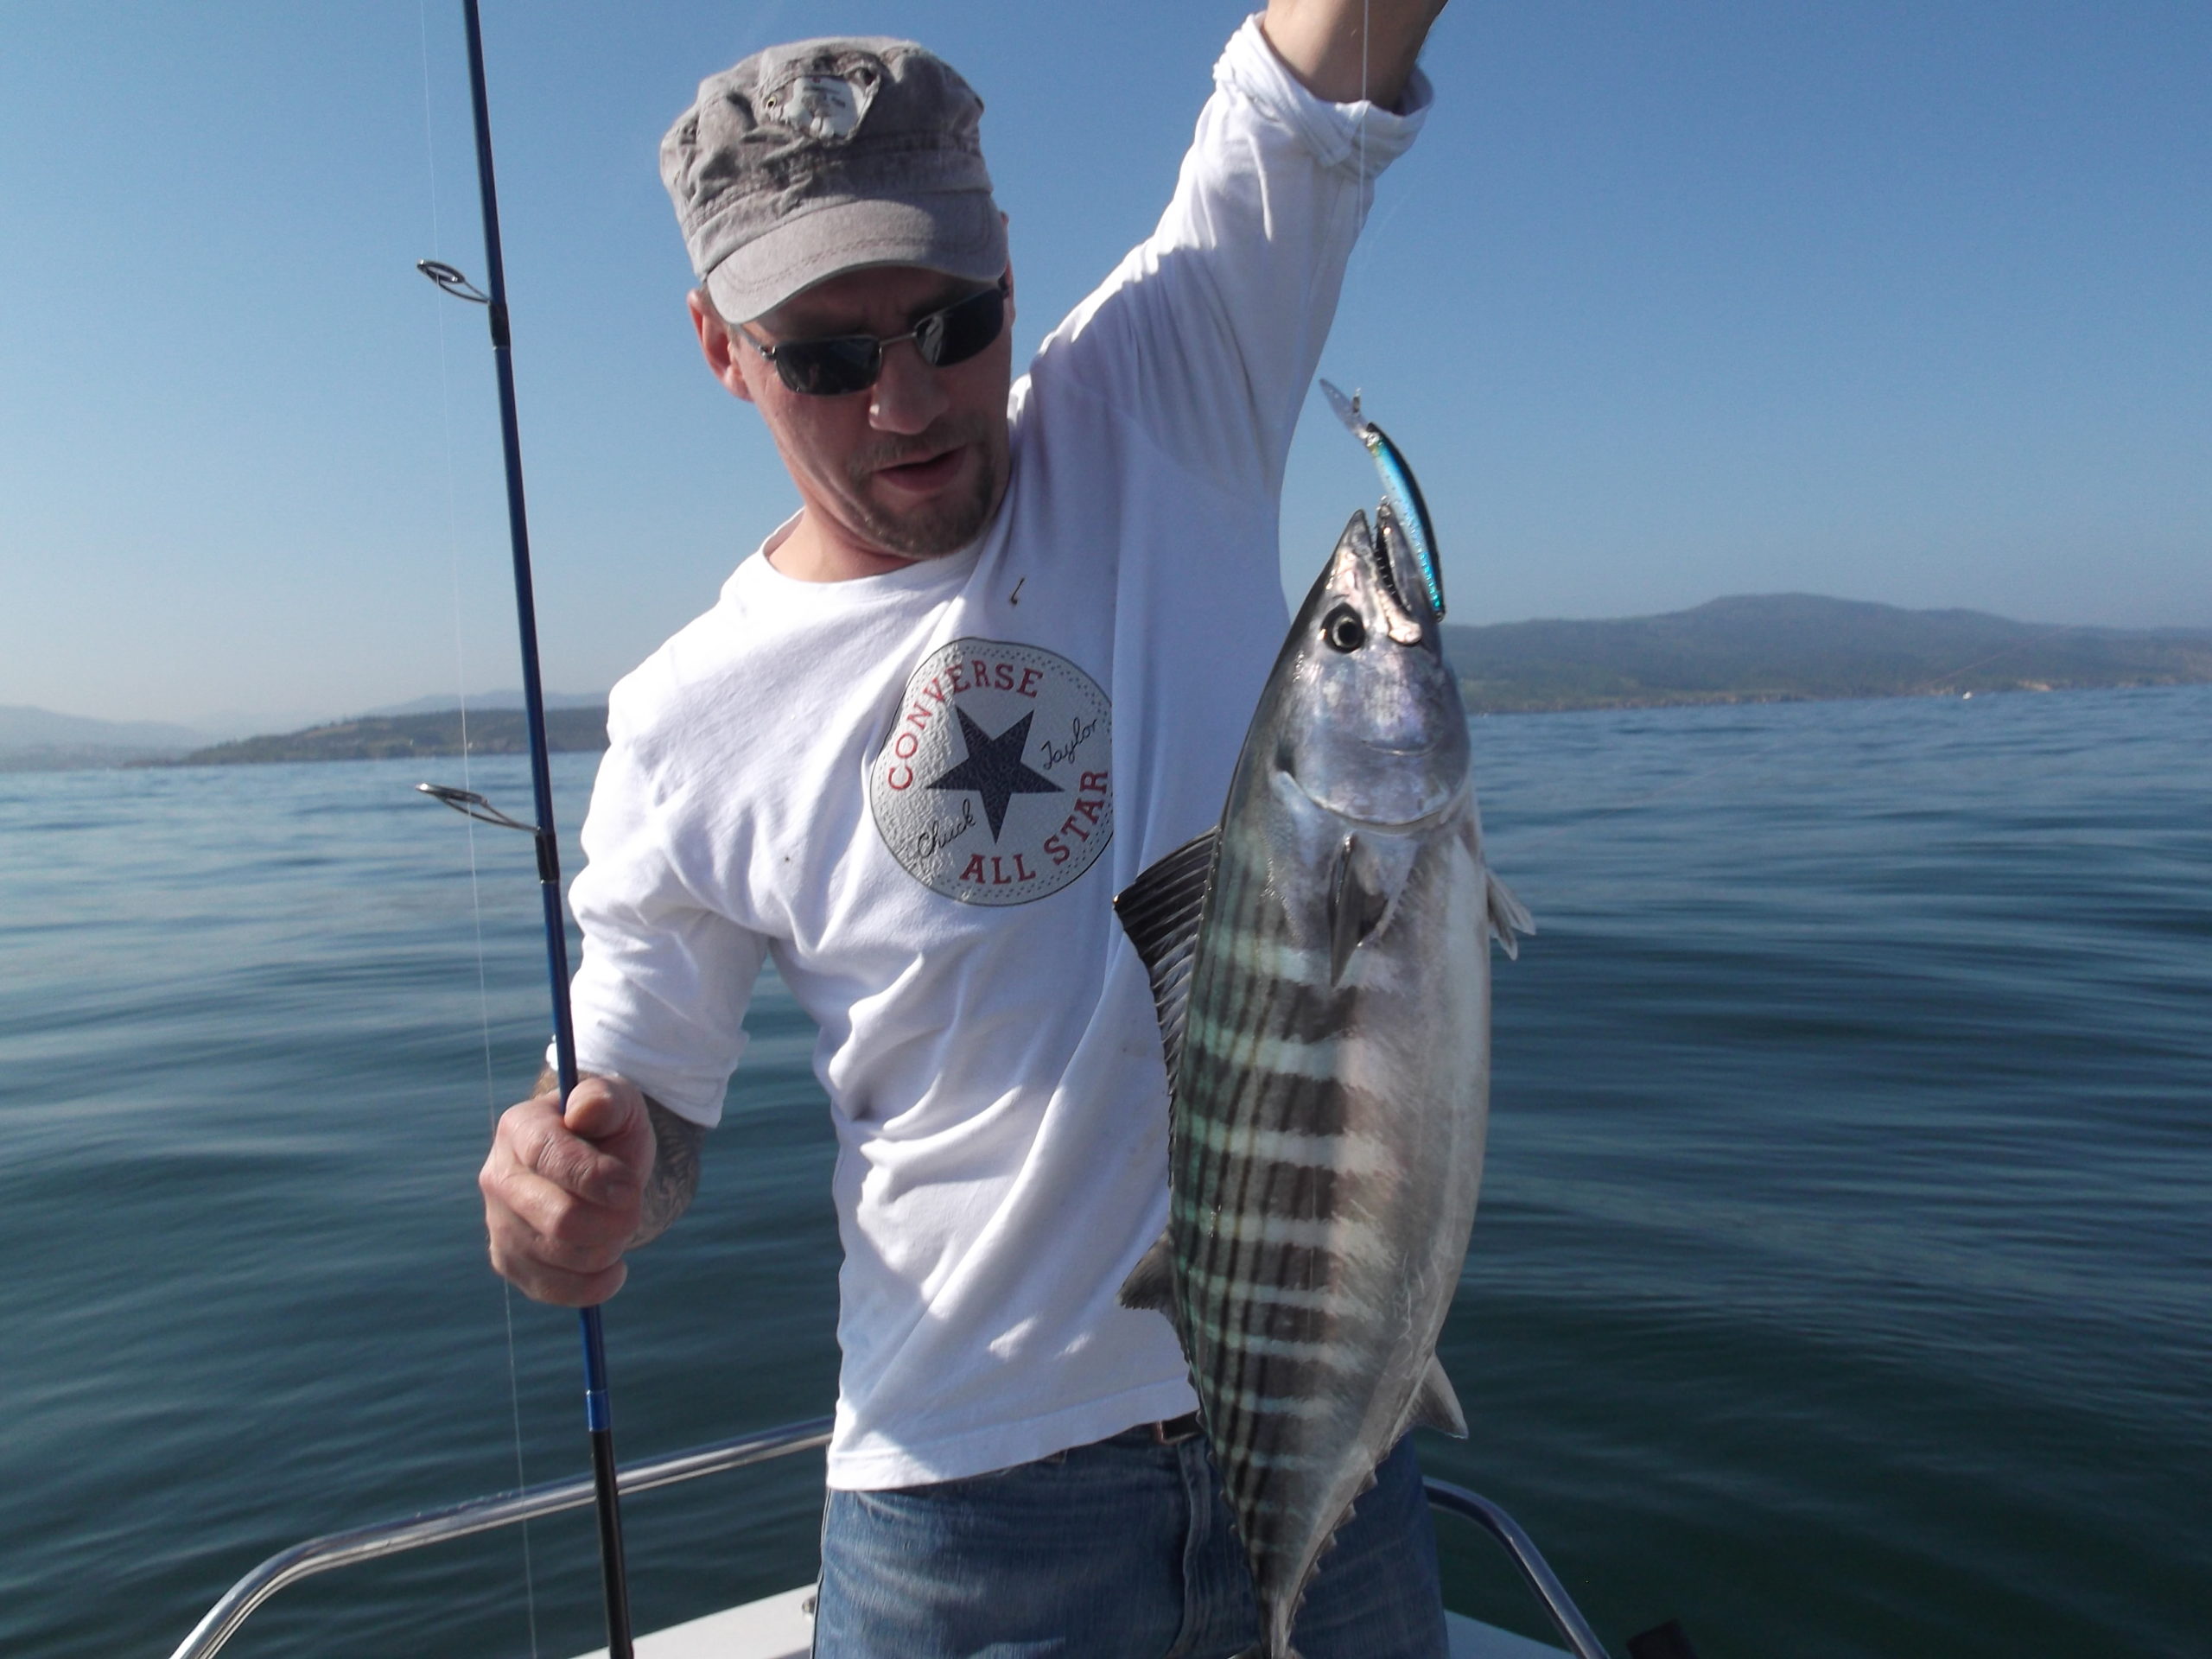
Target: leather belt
1175, 1430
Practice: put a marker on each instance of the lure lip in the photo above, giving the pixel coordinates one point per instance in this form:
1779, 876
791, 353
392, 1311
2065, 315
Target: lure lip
1347, 410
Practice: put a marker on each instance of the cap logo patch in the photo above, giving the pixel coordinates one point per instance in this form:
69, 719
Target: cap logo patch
994, 784
829, 108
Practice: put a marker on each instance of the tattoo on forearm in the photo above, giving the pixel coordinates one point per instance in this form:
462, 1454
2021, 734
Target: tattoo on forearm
676, 1171
675, 1181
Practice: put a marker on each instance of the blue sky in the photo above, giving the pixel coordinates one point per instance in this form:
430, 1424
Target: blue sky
1899, 303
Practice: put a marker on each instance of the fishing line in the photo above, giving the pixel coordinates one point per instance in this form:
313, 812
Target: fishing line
599, 1420
475, 891
1365, 102
1362, 103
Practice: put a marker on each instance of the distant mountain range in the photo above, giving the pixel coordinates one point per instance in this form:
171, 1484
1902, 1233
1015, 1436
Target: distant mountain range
1767, 648
1790, 647
440, 702
387, 737
38, 740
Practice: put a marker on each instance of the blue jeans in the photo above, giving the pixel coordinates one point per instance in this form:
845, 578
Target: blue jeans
1120, 1549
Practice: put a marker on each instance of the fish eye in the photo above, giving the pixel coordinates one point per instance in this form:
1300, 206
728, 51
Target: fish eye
1343, 630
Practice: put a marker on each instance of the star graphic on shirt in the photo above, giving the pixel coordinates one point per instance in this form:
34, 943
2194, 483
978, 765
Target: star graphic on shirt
994, 768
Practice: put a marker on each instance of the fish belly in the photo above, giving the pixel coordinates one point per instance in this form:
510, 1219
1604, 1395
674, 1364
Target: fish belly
1325, 1153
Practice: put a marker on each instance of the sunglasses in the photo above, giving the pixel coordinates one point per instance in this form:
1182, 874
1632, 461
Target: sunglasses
830, 368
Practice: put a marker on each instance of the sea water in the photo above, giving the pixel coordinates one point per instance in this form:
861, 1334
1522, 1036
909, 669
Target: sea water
1842, 1285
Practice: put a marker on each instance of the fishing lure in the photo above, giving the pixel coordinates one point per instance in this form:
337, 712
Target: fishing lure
1399, 488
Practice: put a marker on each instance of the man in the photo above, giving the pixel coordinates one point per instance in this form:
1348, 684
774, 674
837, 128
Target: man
999, 661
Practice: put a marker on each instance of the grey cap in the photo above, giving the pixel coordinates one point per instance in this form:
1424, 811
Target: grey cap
827, 156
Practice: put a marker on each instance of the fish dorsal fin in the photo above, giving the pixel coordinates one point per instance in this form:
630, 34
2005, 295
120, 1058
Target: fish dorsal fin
1151, 1283
1435, 1405
1159, 911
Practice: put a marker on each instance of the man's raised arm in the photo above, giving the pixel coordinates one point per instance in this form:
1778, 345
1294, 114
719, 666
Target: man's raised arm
1318, 40
1207, 335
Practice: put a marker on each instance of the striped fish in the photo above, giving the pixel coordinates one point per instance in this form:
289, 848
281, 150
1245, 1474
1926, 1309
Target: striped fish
1321, 966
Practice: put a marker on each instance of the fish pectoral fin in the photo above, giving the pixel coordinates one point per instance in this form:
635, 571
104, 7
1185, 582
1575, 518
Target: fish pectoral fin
1371, 876
1159, 911
1151, 1283
1360, 899
1508, 917
1435, 1406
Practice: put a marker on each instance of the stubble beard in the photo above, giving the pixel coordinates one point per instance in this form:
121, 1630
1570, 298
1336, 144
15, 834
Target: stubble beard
941, 527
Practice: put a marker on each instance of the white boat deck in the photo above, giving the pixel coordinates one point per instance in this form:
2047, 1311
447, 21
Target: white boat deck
782, 1627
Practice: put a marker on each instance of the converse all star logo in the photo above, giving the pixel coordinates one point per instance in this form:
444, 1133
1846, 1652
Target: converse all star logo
994, 785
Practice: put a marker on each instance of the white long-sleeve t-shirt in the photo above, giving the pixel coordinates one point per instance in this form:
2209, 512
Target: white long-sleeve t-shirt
918, 793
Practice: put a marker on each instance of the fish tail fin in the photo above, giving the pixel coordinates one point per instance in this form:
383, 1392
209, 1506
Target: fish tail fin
1508, 917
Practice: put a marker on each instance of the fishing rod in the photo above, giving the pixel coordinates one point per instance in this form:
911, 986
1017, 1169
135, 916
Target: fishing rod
598, 1412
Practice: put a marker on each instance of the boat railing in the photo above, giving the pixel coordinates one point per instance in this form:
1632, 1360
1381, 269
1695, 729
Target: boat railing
1535, 1572
336, 1549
